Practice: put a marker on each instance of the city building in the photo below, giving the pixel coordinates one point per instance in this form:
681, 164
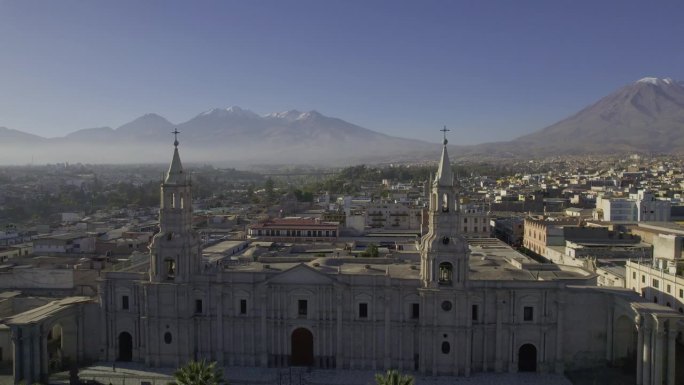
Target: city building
475, 221
74, 243
662, 279
641, 206
294, 229
468, 305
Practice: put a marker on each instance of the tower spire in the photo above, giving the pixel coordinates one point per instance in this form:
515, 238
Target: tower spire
175, 173
175, 249
444, 253
444, 175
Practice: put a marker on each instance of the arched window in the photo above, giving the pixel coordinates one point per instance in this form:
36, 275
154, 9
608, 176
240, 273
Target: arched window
170, 268
446, 273
182, 201
173, 200
445, 203
168, 338
446, 348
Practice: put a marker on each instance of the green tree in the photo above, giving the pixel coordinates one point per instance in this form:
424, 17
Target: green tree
393, 377
269, 188
371, 251
199, 373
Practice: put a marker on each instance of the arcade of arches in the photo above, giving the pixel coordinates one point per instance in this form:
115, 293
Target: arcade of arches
51, 338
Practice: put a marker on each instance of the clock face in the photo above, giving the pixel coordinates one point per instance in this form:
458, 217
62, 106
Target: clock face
446, 305
445, 240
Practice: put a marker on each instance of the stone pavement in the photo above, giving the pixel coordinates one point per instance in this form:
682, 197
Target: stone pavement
137, 374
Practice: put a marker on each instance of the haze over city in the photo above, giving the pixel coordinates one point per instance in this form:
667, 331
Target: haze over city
345, 192
491, 71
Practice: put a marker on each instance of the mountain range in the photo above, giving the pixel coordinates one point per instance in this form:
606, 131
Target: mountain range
645, 116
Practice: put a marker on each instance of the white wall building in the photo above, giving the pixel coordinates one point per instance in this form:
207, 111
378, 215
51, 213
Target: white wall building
640, 207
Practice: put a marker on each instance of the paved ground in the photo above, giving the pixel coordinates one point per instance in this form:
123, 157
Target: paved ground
135, 374
602, 376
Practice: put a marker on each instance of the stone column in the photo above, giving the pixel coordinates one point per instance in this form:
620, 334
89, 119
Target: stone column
387, 353
44, 370
104, 331
671, 351
421, 335
469, 351
513, 359
646, 357
339, 364
469, 336
498, 340
609, 336
639, 351
484, 331
560, 365
36, 354
231, 330
17, 354
658, 356
457, 338
264, 333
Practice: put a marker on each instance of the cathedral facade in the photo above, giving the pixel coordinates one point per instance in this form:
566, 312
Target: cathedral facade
467, 306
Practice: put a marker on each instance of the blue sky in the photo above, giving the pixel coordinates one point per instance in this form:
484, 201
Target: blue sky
489, 70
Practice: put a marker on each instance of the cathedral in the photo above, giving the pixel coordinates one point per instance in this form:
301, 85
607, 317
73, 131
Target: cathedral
467, 305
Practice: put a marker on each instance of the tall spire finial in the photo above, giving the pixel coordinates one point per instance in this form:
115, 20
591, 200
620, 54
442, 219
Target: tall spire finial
445, 130
175, 133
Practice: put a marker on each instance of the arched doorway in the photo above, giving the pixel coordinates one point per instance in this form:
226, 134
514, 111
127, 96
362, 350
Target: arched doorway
302, 348
55, 348
527, 358
125, 347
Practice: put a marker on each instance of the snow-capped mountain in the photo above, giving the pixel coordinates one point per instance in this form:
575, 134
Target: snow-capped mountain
238, 135
286, 115
645, 116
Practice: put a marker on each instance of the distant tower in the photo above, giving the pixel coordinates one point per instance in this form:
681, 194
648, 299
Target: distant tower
175, 250
444, 252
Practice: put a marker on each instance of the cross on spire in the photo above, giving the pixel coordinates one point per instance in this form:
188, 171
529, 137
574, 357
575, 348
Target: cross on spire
445, 130
175, 133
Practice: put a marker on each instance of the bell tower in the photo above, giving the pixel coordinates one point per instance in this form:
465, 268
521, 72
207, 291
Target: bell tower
444, 253
175, 250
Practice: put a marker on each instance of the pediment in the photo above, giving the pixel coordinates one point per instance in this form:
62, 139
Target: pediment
301, 275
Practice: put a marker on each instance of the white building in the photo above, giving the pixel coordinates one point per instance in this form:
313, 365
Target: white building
76, 243
640, 207
651, 209
662, 279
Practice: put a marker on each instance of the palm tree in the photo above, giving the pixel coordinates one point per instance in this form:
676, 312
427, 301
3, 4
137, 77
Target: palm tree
393, 377
199, 373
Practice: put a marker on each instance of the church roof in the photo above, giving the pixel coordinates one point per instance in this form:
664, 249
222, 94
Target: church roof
46, 311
